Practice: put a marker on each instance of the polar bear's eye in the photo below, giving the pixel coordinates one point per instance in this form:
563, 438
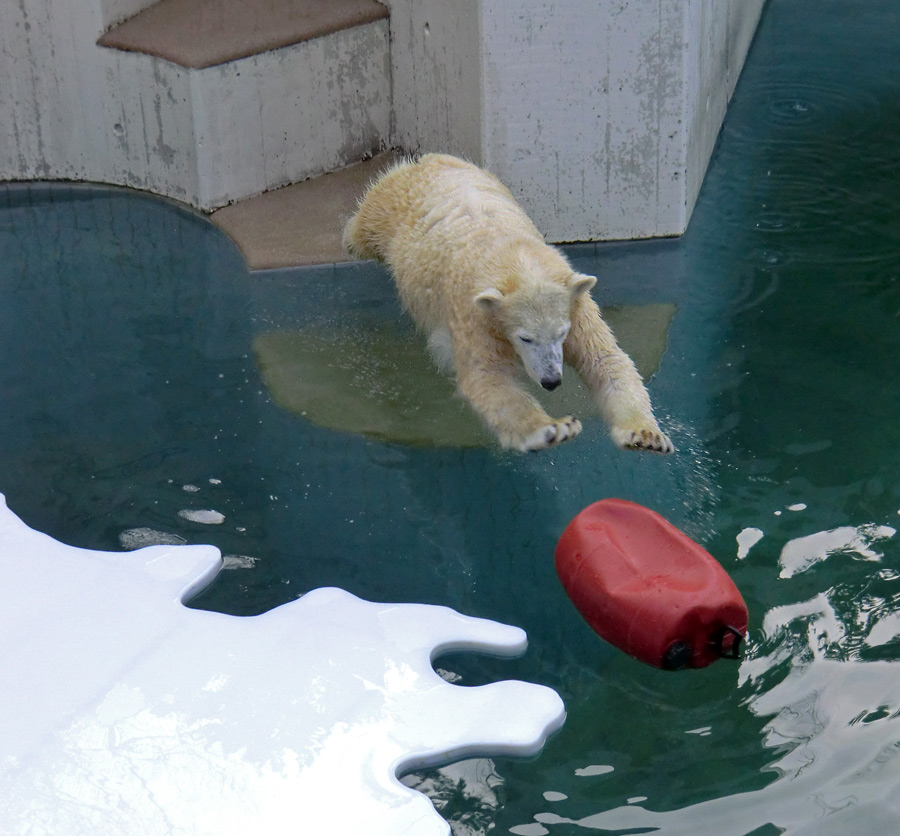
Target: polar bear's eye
526, 340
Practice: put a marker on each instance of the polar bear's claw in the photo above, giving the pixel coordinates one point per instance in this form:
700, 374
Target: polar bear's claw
552, 434
653, 440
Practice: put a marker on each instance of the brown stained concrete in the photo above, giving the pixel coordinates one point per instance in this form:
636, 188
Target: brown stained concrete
299, 224
203, 33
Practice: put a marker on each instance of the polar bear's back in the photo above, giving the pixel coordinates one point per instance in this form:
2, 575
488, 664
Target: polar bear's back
443, 226
437, 206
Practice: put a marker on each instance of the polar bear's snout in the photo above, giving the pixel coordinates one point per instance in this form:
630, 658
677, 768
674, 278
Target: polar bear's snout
542, 361
550, 383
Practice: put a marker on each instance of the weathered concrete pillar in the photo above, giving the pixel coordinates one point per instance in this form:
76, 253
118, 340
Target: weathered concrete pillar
600, 115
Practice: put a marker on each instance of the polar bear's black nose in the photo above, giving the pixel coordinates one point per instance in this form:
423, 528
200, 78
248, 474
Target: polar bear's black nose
550, 383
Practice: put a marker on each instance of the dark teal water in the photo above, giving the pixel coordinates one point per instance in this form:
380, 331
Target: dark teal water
129, 393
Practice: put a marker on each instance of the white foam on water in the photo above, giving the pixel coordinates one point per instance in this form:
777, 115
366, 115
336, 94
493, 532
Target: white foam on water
802, 553
206, 517
532, 829
239, 561
138, 538
746, 540
589, 771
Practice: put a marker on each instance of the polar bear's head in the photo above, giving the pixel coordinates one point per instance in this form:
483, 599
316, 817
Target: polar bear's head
535, 317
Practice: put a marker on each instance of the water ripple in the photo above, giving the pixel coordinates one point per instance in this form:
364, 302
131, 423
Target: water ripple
841, 106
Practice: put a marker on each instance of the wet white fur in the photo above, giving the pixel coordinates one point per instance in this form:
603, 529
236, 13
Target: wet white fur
492, 297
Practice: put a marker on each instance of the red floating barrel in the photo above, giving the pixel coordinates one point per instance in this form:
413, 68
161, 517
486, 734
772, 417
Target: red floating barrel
649, 589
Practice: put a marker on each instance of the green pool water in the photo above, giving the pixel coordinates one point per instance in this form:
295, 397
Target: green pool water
132, 391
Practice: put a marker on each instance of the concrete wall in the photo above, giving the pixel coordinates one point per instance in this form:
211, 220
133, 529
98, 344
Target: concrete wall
283, 116
72, 110
712, 70
437, 76
600, 115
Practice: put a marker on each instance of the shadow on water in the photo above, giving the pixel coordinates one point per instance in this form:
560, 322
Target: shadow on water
132, 399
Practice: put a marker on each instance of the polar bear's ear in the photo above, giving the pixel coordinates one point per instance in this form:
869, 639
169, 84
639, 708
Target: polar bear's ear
581, 283
489, 299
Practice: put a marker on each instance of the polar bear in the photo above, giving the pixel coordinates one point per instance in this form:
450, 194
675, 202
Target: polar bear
493, 298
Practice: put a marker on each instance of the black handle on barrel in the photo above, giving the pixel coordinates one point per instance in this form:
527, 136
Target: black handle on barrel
727, 643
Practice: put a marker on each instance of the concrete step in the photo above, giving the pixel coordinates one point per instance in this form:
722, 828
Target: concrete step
300, 224
246, 96
203, 33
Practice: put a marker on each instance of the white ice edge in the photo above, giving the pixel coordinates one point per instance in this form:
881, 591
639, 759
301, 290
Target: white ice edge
148, 717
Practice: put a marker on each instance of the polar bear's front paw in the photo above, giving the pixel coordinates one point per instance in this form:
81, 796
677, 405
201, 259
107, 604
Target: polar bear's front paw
654, 440
552, 434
